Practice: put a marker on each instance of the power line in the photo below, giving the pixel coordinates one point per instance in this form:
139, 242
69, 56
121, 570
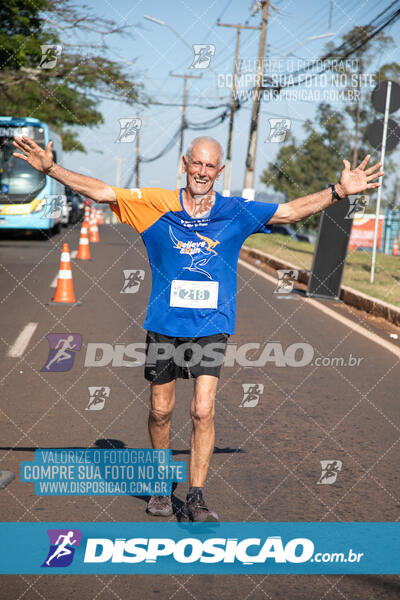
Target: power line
208, 124
233, 104
249, 175
188, 125
224, 10
214, 106
346, 49
183, 119
166, 149
304, 29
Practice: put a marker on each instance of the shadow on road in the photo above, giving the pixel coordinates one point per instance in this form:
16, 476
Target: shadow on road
24, 235
109, 443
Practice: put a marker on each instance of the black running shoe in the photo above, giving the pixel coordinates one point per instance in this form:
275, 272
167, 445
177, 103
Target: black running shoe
195, 509
159, 506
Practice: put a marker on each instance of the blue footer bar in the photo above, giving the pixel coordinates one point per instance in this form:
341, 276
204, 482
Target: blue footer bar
213, 548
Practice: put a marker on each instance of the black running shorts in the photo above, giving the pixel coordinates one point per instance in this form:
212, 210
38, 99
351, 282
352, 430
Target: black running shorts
168, 358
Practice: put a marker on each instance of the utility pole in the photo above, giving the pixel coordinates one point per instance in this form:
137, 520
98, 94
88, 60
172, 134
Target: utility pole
137, 158
248, 187
228, 160
357, 133
119, 160
183, 123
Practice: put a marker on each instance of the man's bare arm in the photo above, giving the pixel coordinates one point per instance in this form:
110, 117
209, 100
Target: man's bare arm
42, 160
351, 182
303, 207
87, 186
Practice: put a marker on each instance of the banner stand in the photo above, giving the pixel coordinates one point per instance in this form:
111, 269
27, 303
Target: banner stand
330, 252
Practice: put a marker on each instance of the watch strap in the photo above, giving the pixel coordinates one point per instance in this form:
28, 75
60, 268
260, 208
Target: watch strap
334, 192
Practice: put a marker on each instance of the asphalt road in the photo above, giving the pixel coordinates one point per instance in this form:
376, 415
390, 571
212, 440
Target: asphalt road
266, 464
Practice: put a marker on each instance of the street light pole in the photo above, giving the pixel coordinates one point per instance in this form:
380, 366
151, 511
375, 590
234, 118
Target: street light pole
378, 200
183, 123
137, 159
119, 160
228, 160
248, 187
310, 39
159, 22
183, 109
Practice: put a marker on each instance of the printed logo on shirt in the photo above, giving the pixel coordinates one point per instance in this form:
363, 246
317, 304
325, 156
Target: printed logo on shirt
200, 253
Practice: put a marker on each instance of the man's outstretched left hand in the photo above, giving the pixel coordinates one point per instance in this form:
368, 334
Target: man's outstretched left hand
359, 179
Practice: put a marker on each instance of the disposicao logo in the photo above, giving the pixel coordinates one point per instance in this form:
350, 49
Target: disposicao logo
62, 351
191, 550
62, 547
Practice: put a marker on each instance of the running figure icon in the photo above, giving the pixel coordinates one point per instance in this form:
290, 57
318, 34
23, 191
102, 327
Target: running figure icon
62, 346
133, 279
62, 549
98, 396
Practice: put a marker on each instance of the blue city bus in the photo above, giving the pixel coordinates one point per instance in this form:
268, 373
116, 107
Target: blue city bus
29, 200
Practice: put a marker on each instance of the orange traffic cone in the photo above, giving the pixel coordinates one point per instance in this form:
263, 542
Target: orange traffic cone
94, 230
99, 216
395, 249
83, 248
65, 289
87, 213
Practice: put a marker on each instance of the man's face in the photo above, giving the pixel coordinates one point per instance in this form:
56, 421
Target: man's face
202, 168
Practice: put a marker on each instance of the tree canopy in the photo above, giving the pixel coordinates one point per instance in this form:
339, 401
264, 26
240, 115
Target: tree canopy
67, 95
301, 169
307, 168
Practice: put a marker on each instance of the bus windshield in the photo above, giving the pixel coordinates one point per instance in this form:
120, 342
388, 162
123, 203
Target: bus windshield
19, 182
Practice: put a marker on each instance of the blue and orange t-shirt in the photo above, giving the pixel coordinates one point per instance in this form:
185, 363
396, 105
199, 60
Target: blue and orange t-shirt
193, 260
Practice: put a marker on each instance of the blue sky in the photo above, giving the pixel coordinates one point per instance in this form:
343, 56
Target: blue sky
155, 51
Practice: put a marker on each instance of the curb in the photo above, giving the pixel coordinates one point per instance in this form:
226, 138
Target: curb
348, 295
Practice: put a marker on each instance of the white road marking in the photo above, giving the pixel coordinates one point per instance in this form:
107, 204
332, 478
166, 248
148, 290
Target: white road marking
373, 337
74, 253
22, 341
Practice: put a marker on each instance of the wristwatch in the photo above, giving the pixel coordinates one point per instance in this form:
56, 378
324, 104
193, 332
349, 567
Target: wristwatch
334, 192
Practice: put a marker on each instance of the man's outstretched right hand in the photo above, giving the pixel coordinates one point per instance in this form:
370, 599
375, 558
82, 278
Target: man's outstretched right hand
43, 161
39, 159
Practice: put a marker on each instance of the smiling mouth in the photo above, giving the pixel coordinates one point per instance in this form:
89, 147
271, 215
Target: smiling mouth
201, 181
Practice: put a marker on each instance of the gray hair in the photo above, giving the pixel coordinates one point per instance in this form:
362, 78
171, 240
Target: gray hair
206, 138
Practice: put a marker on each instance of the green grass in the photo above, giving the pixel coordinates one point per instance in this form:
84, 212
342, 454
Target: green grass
356, 271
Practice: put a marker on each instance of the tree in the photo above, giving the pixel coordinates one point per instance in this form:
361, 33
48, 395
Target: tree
303, 169
360, 112
69, 94
394, 198
307, 168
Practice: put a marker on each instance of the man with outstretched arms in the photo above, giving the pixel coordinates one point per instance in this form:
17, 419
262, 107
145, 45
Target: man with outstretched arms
193, 236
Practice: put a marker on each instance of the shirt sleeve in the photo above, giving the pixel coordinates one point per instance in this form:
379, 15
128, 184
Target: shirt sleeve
254, 216
141, 207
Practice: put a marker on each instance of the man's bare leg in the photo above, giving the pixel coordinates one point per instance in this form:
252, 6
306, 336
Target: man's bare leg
202, 411
162, 402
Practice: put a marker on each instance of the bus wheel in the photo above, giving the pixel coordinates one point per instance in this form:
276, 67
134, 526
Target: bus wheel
42, 234
56, 229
